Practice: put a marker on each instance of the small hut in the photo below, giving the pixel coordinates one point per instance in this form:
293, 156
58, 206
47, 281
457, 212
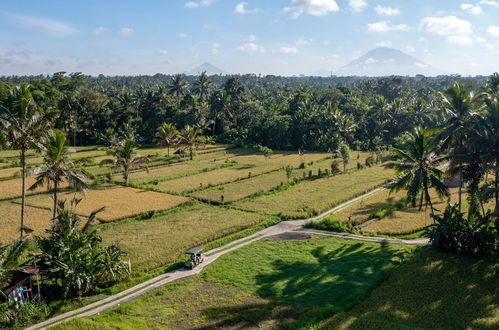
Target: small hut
20, 289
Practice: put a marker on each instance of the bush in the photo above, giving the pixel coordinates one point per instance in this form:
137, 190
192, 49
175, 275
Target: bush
24, 315
330, 224
474, 235
387, 211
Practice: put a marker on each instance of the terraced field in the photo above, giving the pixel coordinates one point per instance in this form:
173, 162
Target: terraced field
119, 202
316, 196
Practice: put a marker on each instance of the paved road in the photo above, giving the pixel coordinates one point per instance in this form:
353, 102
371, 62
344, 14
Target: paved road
212, 255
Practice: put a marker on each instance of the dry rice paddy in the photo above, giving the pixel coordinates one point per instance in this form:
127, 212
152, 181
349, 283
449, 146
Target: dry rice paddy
35, 218
10, 172
120, 202
10, 189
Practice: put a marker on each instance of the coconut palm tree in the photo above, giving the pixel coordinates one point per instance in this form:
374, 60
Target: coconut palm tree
178, 87
58, 167
167, 135
202, 86
11, 257
25, 122
189, 136
459, 106
417, 167
126, 158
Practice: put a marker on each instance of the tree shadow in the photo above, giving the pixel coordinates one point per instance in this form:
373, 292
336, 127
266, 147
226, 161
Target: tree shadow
300, 292
433, 290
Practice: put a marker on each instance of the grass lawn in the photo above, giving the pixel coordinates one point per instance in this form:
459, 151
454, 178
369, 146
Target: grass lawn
431, 291
313, 197
242, 189
267, 284
120, 202
35, 218
161, 240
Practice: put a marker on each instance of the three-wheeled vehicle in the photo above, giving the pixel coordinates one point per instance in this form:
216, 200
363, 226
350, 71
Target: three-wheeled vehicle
194, 257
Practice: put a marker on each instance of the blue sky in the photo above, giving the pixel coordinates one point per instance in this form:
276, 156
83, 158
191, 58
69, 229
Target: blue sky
283, 37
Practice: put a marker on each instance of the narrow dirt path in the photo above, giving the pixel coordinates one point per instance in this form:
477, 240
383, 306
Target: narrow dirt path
212, 255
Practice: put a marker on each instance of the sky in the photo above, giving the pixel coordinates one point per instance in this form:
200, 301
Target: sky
281, 37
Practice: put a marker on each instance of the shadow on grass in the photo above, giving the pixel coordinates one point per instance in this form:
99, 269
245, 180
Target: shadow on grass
433, 290
304, 293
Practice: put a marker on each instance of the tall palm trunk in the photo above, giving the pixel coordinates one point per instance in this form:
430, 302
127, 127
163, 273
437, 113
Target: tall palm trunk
125, 175
460, 174
190, 152
23, 189
54, 210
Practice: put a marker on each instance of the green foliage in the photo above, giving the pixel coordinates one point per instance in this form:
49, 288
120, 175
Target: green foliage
75, 257
387, 211
473, 235
345, 155
289, 171
330, 224
24, 315
335, 167
266, 151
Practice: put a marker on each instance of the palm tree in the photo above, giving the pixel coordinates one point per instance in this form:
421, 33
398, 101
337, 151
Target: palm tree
189, 136
167, 135
178, 87
126, 158
202, 86
417, 167
459, 107
58, 167
11, 257
25, 123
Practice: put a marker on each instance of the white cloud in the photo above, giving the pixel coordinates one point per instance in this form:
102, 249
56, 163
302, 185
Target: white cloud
488, 2
98, 31
45, 25
215, 48
162, 51
460, 40
303, 41
384, 43
126, 31
183, 35
357, 5
444, 26
208, 27
410, 49
472, 9
288, 50
251, 38
251, 47
385, 26
493, 31
386, 11
370, 60
312, 7
240, 8
202, 3
421, 65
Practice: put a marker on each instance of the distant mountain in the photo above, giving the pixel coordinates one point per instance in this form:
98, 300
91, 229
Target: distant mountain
384, 61
209, 68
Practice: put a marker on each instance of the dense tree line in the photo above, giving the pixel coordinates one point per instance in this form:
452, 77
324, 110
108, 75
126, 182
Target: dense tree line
311, 113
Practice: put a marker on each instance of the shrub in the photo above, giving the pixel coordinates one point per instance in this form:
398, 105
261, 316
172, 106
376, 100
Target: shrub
473, 235
24, 315
330, 224
387, 211
335, 167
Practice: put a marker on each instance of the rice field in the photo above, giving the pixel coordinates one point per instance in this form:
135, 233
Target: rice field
120, 202
35, 218
313, 197
163, 239
11, 172
238, 190
10, 189
409, 219
248, 166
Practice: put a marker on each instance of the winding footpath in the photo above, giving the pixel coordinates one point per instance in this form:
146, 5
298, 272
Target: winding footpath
212, 255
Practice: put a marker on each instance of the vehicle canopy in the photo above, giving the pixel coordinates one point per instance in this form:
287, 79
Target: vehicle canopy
195, 251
